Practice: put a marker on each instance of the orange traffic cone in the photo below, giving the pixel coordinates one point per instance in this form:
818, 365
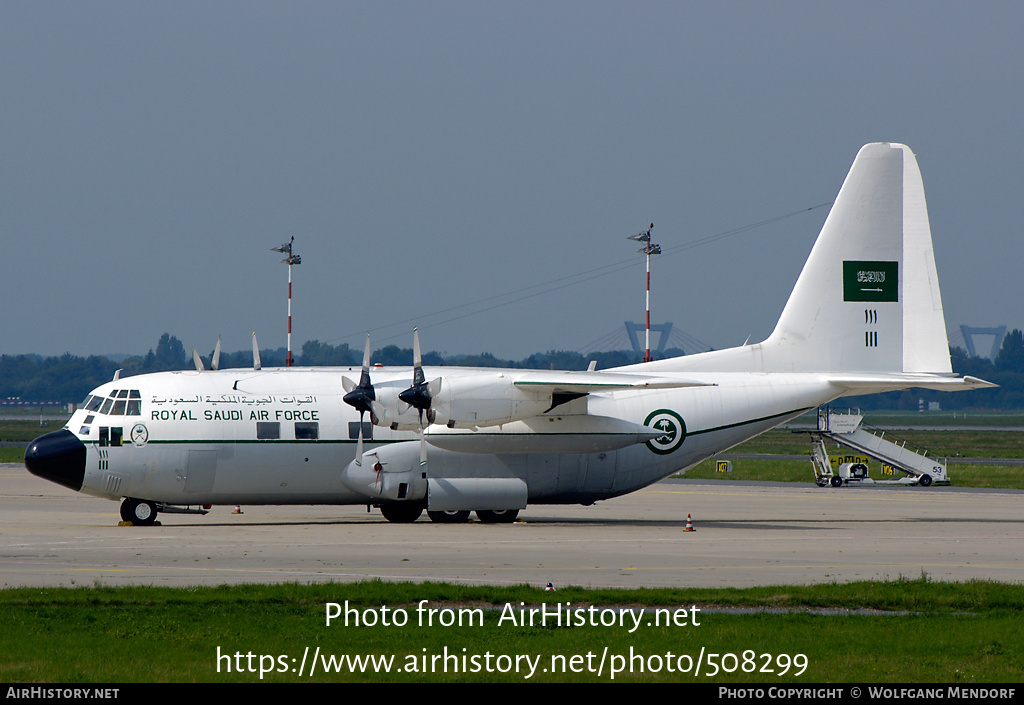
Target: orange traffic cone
238, 510
689, 524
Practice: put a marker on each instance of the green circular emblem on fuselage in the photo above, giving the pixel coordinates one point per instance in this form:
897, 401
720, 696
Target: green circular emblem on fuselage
674, 431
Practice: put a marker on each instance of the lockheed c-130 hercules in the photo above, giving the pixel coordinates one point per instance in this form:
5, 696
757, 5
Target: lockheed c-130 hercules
865, 316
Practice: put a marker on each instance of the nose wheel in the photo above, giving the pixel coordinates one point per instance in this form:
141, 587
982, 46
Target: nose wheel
140, 512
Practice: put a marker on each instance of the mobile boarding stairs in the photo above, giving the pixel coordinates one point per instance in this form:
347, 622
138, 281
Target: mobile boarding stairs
849, 431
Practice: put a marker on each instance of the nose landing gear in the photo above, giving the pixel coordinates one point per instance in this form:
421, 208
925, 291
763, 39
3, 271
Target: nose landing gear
140, 512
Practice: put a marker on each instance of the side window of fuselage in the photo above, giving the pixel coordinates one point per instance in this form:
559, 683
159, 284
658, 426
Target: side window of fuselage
268, 430
353, 430
307, 430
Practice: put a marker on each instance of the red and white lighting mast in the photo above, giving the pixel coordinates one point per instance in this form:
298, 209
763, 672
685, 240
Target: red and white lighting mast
290, 259
648, 249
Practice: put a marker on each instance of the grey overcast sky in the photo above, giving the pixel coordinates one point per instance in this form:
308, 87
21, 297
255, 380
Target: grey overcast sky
474, 168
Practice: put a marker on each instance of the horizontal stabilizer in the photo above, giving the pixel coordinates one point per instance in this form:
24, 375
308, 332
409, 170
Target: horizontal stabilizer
877, 383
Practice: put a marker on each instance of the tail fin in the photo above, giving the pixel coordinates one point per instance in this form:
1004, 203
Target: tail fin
866, 309
868, 298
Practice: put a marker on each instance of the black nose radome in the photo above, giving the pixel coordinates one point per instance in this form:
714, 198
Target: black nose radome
58, 457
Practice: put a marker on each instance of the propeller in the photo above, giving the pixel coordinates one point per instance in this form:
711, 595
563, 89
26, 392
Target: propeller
256, 363
361, 396
214, 359
421, 393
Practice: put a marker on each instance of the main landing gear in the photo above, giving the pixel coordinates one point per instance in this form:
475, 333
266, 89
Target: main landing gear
406, 513
452, 517
497, 516
401, 512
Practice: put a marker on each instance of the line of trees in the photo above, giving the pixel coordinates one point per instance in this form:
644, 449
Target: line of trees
68, 378
1007, 370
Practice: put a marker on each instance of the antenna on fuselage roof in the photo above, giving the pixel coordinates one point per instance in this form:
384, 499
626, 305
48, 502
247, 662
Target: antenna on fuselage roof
256, 364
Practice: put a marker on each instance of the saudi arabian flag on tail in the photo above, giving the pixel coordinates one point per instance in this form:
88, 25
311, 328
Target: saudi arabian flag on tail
871, 281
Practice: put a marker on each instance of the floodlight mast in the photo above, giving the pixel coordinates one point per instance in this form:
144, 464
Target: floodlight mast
291, 259
648, 249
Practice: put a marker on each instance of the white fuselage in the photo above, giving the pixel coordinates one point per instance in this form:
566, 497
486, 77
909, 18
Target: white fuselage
283, 436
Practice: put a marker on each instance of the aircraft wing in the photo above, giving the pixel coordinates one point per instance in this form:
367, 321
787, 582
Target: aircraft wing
560, 382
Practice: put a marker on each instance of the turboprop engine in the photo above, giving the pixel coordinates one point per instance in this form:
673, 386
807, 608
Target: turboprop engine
462, 400
482, 399
479, 398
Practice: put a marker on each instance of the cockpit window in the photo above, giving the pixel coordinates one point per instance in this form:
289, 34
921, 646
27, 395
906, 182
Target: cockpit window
121, 402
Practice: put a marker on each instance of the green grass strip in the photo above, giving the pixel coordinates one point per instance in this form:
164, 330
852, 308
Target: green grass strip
915, 630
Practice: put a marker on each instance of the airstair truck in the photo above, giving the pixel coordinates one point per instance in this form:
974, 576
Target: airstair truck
848, 430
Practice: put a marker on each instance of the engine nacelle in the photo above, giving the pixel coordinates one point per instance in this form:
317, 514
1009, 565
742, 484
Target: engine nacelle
484, 399
472, 401
391, 411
